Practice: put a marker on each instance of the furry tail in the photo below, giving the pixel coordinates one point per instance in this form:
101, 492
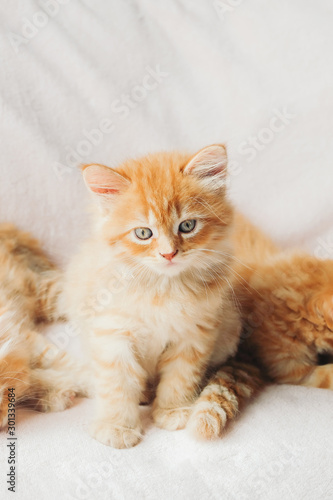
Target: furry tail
225, 393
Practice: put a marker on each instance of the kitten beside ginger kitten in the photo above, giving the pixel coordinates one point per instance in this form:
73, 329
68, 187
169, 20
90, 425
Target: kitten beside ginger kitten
43, 377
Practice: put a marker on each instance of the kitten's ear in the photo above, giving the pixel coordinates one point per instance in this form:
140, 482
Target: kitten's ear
210, 166
103, 181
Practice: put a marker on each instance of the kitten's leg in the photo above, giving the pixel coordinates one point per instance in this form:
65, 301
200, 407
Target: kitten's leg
52, 390
221, 399
119, 382
181, 372
319, 376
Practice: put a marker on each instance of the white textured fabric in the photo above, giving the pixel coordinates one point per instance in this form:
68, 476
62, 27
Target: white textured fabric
104, 80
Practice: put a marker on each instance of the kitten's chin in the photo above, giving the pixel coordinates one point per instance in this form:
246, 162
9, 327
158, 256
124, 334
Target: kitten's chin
169, 269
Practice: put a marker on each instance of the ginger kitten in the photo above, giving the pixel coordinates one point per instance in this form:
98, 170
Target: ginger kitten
40, 374
287, 308
150, 289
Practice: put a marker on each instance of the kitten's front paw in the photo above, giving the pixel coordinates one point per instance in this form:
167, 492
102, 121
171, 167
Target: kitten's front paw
171, 419
57, 401
207, 422
116, 436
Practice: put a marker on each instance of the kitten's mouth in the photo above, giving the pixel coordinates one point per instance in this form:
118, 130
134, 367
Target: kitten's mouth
172, 265
170, 268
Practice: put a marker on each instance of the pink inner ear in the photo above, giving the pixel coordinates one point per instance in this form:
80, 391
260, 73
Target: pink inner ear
215, 170
100, 190
103, 180
209, 162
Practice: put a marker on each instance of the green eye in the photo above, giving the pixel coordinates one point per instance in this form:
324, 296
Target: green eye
187, 225
143, 233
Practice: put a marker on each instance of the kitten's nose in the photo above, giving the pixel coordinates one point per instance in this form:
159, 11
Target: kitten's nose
169, 256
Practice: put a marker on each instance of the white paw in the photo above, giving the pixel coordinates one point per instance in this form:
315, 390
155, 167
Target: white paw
116, 436
171, 419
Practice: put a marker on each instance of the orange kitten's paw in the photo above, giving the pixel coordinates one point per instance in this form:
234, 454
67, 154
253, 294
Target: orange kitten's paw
171, 419
57, 401
115, 435
207, 421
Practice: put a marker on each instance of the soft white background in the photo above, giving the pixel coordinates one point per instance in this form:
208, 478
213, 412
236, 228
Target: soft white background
226, 69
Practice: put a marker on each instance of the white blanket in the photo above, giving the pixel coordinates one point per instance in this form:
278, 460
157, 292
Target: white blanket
104, 80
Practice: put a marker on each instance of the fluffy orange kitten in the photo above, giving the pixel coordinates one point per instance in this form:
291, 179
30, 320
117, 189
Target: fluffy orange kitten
287, 311
289, 298
150, 289
41, 376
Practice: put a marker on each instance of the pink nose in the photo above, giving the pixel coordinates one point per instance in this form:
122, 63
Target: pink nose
169, 256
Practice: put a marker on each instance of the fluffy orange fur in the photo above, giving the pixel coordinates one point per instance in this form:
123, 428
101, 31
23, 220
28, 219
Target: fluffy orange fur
153, 293
42, 376
151, 288
287, 313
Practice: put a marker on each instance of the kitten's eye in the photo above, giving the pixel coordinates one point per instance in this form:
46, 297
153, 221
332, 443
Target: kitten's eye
187, 225
143, 233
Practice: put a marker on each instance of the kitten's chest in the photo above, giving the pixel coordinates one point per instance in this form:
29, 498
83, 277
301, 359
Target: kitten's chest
162, 316
154, 320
